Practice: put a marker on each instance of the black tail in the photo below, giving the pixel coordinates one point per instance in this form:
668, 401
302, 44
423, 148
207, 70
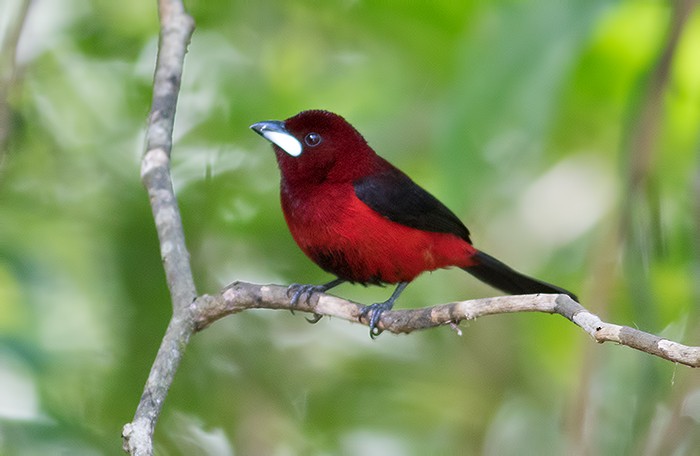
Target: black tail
503, 277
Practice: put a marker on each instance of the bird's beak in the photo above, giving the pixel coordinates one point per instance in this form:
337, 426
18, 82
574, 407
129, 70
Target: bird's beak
274, 131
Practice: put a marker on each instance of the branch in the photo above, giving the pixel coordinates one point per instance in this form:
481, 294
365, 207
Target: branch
240, 296
175, 33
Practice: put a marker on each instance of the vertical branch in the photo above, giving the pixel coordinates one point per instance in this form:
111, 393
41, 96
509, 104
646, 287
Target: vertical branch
176, 29
8, 73
644, 131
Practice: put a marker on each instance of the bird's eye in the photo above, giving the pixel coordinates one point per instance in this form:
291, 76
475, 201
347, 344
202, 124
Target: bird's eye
312, 139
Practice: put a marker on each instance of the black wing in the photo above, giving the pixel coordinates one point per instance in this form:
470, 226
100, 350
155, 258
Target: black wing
395, 196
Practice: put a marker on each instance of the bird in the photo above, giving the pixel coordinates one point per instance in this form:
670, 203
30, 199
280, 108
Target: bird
364, 221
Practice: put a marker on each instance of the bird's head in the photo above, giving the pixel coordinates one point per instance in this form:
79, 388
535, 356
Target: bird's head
317, 146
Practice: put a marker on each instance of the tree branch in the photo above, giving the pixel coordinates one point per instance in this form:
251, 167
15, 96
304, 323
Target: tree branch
240, 296
175, 33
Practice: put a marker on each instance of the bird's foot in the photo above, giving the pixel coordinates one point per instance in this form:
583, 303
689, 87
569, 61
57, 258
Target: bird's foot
374, 312
299, 291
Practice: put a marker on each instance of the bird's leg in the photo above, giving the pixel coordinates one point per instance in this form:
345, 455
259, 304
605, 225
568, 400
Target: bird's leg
375, 310
300, 290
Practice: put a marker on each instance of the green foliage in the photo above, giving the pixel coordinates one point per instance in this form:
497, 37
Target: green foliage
517, 114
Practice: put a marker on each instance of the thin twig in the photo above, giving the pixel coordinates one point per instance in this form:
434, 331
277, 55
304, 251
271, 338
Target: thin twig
649, 110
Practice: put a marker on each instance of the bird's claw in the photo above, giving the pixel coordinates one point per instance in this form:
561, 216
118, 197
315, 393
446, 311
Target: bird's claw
315, 319
300, 290
374, 313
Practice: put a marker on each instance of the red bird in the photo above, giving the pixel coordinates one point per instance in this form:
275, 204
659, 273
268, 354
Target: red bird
363, 220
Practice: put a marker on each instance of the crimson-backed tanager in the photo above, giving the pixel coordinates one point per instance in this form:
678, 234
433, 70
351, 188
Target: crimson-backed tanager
363, 220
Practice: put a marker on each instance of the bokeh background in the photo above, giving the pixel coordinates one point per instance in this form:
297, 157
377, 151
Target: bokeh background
565, 133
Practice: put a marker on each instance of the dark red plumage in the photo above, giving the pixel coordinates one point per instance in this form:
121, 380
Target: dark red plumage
363, 220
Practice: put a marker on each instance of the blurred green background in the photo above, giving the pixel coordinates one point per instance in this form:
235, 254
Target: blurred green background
551, 127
